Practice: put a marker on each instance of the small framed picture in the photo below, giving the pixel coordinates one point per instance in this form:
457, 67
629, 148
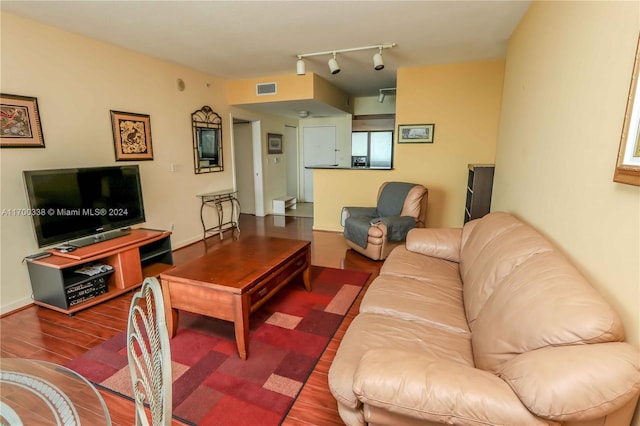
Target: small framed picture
415, 133
274, 143
131, 136
20, 122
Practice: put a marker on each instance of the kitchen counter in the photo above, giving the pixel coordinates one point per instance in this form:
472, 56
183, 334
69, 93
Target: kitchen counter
338, 167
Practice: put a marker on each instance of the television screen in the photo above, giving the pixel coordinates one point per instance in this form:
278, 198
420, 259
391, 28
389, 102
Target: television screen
71, 203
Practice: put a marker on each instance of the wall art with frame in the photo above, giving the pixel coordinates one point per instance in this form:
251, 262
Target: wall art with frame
628, 162
415, 133
20, 122
274, 143
131, 136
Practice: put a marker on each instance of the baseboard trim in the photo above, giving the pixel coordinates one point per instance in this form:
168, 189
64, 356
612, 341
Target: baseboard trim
18, 305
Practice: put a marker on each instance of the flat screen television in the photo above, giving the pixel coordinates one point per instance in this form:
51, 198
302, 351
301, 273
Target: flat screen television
83, 206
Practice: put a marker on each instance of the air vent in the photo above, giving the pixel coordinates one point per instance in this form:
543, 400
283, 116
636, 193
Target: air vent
266, 89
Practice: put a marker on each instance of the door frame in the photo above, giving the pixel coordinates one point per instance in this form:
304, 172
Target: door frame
256, 143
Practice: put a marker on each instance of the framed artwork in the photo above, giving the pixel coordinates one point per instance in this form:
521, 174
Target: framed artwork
415, 133
628, 163
274, 143
131, 136
20, 122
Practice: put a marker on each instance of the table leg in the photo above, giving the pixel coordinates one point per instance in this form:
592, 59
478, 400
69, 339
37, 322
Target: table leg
306, 274
171, 315
241, 324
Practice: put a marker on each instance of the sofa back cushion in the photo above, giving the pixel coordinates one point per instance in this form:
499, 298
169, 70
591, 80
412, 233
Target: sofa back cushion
544, 302
491, 249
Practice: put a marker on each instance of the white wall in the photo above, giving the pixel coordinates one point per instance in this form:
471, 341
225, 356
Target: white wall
567, 78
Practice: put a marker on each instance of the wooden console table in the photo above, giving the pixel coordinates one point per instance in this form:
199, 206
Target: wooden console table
218, 199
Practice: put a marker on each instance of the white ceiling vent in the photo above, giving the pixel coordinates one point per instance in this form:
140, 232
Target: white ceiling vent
266, 89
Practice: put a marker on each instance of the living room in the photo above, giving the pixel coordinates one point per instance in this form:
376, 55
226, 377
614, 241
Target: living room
549, 115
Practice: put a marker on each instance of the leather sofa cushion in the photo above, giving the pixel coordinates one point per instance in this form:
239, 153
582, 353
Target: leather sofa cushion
414, 300
544, 302
601, 378
371, 331
404, 263
493, 248
420, 386
435, 242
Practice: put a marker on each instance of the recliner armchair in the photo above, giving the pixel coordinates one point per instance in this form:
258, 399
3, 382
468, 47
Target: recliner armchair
375, 231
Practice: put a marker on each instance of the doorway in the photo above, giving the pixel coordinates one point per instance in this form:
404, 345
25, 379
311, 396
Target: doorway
247, 165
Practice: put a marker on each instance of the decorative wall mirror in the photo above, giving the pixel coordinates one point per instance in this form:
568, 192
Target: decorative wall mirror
628, 165
207, 141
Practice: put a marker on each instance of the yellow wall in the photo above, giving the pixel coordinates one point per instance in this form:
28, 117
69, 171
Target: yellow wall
566, 83
77, 81
463, 100
289, 88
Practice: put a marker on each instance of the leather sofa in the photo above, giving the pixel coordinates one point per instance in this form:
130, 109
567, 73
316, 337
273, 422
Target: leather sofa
489, 324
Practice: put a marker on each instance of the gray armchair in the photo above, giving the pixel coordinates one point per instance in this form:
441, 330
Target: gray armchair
375, 231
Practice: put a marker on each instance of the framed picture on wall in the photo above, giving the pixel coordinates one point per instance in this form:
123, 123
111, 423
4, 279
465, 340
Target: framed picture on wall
415, 133
131, 136
274, 143
20, 122
628, 162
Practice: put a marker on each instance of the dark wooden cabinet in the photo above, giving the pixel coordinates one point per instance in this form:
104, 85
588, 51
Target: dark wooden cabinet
58, 285
479, 188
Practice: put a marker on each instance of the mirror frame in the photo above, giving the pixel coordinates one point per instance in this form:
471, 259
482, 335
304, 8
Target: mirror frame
205, 119
628, 164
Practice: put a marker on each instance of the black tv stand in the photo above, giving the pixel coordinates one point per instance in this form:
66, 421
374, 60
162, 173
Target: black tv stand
98, 238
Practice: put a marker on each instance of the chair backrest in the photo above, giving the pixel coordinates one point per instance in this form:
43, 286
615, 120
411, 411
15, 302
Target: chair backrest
414, 202
149, 355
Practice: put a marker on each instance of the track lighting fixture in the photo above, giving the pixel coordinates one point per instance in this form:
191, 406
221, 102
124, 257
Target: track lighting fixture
378, 62
300, 69
383, 92
333, 65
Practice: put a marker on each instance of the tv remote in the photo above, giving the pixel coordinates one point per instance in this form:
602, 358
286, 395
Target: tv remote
37, 256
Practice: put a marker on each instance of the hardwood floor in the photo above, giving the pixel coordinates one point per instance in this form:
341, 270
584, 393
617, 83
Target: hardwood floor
40, 333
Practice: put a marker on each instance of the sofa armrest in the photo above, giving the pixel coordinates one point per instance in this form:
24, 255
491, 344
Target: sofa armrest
443, 243
575, 383
419, 386
356, 211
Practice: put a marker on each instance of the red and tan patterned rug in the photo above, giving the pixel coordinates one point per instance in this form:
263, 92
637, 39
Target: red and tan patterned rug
211, 384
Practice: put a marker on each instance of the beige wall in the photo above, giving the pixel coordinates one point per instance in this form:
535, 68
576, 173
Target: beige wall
463, 100
77, 82
567, 78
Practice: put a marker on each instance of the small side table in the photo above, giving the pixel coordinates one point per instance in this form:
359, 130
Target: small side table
218, 199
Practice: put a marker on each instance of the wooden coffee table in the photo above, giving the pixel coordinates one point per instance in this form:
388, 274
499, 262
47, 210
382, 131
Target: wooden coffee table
235, 280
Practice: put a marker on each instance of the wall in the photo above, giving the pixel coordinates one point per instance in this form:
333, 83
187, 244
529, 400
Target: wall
567, 78
369, 105
77, 82
463, 100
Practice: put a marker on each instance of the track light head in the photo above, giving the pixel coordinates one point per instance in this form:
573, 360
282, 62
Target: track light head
378, 63
333, 65
381, 96
303, 114
300, 68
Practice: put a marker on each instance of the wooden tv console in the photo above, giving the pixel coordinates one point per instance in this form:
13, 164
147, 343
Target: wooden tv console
139, 254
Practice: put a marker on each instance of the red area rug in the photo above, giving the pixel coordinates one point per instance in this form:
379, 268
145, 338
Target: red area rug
211, 384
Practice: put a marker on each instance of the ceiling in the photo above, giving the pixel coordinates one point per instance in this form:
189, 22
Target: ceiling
249, 39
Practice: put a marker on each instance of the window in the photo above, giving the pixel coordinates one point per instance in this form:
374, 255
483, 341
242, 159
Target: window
372, 149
